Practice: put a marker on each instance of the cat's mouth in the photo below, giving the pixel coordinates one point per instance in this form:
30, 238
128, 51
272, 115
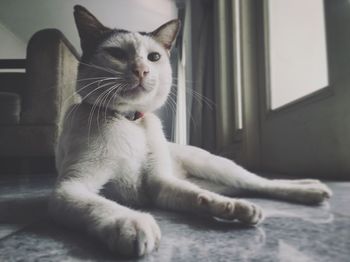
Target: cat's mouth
134, 90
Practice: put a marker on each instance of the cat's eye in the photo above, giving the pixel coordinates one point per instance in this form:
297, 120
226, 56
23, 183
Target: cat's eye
154, 56
117, 53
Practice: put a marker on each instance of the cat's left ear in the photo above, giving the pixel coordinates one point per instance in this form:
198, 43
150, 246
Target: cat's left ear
90, 29
166, 34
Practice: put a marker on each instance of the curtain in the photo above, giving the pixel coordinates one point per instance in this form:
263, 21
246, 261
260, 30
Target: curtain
210, 96
201, 95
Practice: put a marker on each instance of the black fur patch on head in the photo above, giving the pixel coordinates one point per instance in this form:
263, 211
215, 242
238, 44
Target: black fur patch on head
87, 54
91, 31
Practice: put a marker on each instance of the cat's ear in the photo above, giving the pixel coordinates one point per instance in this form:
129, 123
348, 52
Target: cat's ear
89, 28
166, 34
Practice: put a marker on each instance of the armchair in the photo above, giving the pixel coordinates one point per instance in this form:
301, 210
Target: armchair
32, 109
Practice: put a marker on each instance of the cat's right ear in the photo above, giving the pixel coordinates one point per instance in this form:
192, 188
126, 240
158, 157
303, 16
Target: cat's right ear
90, 29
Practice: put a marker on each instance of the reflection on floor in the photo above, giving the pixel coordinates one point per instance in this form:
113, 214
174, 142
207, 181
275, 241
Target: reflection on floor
290, 232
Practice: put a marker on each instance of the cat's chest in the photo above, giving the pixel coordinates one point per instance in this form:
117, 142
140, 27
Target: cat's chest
127, 146
127, 140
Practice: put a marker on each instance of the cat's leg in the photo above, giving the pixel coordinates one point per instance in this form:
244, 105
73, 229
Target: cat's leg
75, 202
304, 181
170, 192
176, 194
215, 172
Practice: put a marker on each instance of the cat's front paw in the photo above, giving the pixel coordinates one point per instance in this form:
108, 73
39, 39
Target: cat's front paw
229, 208
132, 236
248, 212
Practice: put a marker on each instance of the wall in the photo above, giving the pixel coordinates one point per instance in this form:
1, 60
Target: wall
11, 46
24, 18
312, 138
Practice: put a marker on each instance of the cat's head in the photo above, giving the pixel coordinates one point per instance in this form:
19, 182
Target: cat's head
122, 70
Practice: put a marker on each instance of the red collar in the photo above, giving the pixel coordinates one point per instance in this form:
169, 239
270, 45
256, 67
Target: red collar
132, 116
138, 115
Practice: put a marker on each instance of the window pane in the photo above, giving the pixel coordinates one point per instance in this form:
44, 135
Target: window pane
297, 49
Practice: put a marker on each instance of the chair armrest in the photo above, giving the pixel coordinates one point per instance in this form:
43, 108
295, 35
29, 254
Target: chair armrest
51, 71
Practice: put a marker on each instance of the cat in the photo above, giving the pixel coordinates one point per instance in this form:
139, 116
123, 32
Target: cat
112, 142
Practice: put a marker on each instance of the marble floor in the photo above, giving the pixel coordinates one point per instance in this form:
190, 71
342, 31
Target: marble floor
290, 232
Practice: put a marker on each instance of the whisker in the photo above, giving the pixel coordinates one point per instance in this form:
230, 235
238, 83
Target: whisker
92, 112
115, 90
121, 86
94, 78
208, 100
186, 81
172, 103
76, 106
99, 108
82, 88
86, 96
200, 97
106, 100
192, 120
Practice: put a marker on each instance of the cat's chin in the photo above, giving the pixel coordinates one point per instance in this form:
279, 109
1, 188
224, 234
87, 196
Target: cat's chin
133, 92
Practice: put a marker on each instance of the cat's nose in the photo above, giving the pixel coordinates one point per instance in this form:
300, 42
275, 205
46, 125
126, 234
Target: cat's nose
140, 70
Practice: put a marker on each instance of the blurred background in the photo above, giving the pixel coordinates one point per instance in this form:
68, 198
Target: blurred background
264, 83
21, 19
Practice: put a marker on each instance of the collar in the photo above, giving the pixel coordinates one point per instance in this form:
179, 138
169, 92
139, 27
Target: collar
131, 115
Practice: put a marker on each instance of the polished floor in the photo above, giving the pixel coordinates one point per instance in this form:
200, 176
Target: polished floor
290, 232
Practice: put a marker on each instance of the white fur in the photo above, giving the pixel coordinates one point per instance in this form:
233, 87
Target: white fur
142, 168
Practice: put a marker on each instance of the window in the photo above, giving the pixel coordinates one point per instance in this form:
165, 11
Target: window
296, 49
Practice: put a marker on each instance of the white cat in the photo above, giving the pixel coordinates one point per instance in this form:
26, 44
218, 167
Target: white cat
112, 141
